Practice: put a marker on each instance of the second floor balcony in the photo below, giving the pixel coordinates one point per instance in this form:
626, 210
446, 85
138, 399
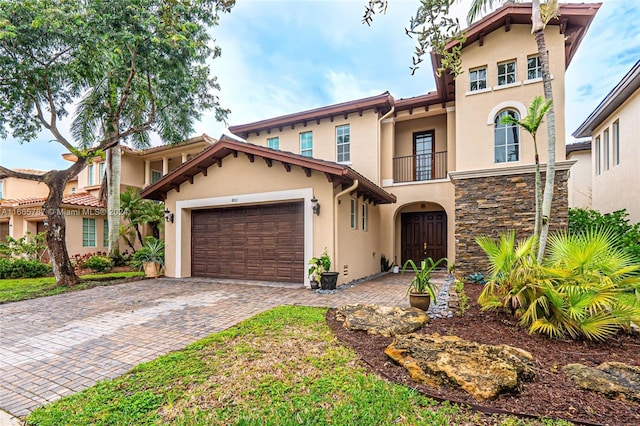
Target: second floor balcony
420, 167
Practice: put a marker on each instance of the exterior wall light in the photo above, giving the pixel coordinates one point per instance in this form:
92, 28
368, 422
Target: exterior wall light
315, 206
168, 216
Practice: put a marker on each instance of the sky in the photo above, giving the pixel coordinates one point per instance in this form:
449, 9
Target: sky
285, 56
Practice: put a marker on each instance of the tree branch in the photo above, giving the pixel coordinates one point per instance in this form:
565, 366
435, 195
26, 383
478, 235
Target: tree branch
5, 173
127, 86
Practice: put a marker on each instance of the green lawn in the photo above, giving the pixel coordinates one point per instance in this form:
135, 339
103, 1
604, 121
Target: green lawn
282, 367
13, 290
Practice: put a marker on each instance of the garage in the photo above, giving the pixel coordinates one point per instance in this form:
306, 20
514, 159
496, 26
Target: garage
263, 242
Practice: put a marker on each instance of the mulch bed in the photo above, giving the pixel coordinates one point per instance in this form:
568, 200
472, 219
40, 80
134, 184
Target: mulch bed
551, 394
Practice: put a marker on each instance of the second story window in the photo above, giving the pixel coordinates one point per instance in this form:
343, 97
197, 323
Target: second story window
156, 175
1, 190
597, 157
343, 147
273, 143
90, 170
605, 136
101, 170
534, 70
506, 139
306, 144
615, 129
478, 79
506, 73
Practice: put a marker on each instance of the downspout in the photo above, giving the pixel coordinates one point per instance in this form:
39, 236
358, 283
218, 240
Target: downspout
335, 217
379, 131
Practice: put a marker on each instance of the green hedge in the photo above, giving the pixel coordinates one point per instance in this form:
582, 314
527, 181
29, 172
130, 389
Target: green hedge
22, 268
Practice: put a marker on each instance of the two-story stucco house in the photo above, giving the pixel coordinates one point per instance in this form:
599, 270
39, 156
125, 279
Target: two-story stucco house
407, 178
614, 150
21, 200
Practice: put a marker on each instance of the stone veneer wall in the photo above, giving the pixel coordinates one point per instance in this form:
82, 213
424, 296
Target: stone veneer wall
495, 204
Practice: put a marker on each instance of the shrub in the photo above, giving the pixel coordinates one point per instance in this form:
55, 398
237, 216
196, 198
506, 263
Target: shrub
23, 268
29, 246
628, 235
99, 263
152, 251
581, 290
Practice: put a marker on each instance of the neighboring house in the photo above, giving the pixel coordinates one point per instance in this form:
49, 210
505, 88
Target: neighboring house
614, 129
406, 178
21, 200
579, 184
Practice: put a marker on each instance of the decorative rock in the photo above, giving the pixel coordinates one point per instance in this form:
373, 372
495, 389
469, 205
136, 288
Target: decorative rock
614, 380
381, 320
484, 371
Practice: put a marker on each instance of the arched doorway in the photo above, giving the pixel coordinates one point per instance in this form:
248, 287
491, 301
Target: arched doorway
423, 234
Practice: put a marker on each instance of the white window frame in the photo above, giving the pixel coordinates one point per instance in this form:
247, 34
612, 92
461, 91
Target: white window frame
615, 134
506, 145
88, 232
473, 78
274, 142
597, 157
537, 70
506, 74
101, 170
343, 142
354, 213
605, 138
306, 151
91, 172
364, 216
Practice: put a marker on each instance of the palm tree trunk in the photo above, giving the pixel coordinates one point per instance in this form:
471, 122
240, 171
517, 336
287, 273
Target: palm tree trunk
113, 198
551, 136
538, 192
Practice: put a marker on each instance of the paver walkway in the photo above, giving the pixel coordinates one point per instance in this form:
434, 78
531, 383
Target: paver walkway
55, 346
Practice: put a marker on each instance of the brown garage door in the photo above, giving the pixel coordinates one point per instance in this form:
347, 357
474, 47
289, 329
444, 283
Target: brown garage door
4, 231
263, 242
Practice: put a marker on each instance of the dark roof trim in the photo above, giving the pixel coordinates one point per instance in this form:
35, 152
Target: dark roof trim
578, 146
629, 84
573, 22
382, 103
338, 173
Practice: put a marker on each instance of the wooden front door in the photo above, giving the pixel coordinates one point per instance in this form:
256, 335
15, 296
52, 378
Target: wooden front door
423, 155
424, 234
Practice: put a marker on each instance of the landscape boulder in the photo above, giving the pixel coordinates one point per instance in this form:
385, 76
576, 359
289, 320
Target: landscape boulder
484, 371
614, 380
381, 320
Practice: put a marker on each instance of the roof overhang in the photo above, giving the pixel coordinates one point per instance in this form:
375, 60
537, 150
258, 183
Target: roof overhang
578, 147
573, 21
629, 84
337, 174
381, 103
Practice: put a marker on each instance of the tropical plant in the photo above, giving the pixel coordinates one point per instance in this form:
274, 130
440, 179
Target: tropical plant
319, 265
151, 251
587, 287
513, 272
29, 246
99, 263
385, 265
126, 68
477, 278
140, 212
538, 108
421, 282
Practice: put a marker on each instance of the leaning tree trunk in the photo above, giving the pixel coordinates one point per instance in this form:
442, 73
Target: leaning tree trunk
56, 230
113, 198
551, 142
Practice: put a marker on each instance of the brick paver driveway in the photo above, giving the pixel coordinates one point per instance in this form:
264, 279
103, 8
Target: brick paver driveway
59, 345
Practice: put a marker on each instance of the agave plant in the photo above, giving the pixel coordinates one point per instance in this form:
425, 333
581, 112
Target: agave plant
421, 282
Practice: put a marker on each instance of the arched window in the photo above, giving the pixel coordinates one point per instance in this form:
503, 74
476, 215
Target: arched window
506, 138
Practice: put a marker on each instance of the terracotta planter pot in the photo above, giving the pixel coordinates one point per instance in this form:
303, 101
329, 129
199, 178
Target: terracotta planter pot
420, 300
151, 269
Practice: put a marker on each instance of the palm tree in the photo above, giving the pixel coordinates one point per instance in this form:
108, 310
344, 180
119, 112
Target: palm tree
537, 110
541, 14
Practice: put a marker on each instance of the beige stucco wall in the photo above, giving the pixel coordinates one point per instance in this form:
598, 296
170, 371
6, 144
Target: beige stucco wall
579, 184
476, 111
13, 188
240, 182
404, 131
131, 171
617, 188
364, 136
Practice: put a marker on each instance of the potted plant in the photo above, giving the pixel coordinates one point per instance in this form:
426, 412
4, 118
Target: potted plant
421, 289
322, 265
315, 270
150, 257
